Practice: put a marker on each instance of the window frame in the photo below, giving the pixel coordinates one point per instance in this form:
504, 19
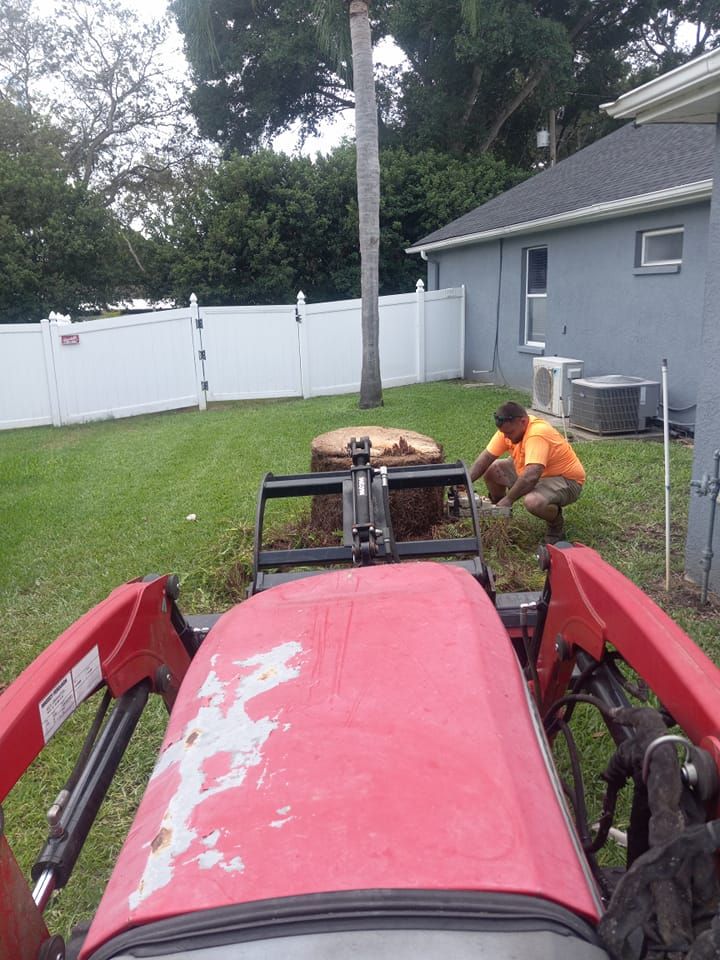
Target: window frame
527, 296
663, 231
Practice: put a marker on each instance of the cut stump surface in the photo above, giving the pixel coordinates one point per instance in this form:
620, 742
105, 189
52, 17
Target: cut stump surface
414, 512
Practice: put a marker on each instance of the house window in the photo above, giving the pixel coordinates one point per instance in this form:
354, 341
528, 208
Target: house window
535, 296
660, 248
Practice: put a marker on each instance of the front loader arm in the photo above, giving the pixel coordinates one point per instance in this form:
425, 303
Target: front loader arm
133, 643
581, 585
127, 638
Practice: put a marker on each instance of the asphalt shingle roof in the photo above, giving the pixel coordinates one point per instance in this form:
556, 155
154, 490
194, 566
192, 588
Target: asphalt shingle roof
630, 162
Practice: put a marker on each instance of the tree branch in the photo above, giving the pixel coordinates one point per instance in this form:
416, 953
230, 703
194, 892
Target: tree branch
472, 95
132, 251
520, 97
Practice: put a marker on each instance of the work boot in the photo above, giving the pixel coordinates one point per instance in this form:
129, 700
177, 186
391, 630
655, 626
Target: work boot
556, 529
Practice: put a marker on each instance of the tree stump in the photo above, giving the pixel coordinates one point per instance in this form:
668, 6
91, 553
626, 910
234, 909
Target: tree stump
414, 512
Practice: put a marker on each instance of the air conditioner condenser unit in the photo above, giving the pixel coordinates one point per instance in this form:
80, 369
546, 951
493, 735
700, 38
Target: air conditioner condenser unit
552, 384
614, 403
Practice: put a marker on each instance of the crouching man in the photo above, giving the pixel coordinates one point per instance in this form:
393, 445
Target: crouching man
542, 470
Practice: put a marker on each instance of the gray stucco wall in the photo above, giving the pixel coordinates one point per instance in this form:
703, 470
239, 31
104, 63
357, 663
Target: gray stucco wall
598, 310
707, 433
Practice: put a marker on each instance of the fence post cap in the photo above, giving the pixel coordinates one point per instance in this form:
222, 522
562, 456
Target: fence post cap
193, 298
300, 297
419, 285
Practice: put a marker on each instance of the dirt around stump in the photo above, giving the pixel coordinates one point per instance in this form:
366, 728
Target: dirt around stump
414, 512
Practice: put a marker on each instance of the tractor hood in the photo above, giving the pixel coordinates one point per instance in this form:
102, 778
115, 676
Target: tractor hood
360, 730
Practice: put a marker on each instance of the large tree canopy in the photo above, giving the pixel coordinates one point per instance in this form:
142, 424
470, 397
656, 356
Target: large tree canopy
480, 73
484, 72
260, 67
676, 34
95, 71
258, 228
60, 248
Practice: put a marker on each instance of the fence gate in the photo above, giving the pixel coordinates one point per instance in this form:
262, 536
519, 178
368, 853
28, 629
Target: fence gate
249, 352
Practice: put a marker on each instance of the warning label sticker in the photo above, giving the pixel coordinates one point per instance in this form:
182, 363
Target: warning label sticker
86, 675
68, 692
57, 706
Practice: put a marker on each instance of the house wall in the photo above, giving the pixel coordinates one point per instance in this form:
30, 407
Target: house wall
702, 557
599, 310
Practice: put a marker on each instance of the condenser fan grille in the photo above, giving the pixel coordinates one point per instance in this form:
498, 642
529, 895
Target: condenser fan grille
611, 410
543, 386
551, 380
614, 403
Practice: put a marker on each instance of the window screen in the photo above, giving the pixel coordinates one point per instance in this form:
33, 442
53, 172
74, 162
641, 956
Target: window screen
535, 296
662, 246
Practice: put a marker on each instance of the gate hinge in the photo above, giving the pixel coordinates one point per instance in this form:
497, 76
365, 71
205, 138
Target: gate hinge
204, 385
201, 355
199, 323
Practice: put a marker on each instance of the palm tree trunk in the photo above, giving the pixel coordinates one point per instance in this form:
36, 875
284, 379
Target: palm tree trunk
368, 190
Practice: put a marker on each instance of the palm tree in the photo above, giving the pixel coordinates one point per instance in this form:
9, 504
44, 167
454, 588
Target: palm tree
332, 26
368, 193
332, 33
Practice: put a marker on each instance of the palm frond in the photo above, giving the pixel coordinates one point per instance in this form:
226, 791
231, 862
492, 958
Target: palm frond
333, 27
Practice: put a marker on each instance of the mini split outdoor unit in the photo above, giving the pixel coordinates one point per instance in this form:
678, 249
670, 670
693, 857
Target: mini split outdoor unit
552, 378
613, 403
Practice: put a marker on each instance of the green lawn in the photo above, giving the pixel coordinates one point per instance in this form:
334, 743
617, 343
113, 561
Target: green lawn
85, 508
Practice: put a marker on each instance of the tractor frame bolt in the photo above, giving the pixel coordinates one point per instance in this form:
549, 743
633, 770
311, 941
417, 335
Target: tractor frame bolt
163, 678
562, 648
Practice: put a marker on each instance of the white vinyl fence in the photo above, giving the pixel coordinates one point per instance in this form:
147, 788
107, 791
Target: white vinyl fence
60, 373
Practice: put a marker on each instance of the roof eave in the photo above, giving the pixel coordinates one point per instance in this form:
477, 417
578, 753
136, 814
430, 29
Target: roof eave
690, 93
673, 196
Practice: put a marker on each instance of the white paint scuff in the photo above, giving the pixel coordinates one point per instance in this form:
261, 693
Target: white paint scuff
217, 728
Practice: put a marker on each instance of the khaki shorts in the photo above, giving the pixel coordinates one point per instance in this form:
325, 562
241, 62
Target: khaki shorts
559, 490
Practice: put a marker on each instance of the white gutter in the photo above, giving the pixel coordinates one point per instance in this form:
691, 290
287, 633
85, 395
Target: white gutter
671, 197
696, 83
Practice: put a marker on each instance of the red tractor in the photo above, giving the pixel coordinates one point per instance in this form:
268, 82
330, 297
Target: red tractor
359, 758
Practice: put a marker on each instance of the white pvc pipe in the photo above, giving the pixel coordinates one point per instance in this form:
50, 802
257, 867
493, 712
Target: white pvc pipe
666, 448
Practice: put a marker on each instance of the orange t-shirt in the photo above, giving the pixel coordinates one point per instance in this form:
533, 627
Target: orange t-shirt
540, 444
